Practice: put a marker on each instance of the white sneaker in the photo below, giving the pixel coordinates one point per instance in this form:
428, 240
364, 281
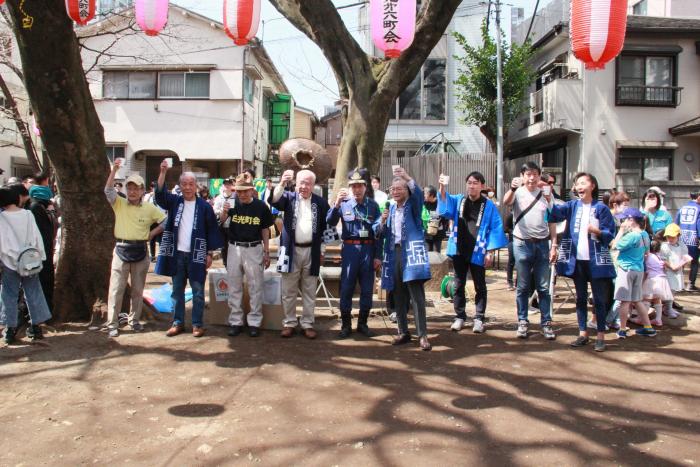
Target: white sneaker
673, 314
392, 317
457, 324
478, 326
113, 332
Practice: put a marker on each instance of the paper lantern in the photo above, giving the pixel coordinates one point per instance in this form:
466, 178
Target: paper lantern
241, 18
597, 30
81, 11
151, 15
393, 24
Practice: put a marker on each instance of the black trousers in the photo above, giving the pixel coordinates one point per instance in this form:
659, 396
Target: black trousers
693, 270
434, 244
463, 266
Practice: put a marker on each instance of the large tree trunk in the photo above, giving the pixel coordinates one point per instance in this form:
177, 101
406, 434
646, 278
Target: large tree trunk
74, 139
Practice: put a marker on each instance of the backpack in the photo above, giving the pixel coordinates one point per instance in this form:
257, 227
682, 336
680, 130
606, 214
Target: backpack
29, 260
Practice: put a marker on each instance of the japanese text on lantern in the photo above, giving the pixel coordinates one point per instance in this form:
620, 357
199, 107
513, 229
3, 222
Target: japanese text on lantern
390, 21
83, 8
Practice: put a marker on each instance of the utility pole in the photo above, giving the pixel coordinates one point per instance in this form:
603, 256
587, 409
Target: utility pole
499, 106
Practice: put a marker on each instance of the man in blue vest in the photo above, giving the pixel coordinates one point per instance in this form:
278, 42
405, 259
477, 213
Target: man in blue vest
360, 253
688, 218
406, 266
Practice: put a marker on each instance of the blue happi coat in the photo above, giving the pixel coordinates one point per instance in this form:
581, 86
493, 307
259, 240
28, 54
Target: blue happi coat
601, 262
205, 235
491, 235
415, 255
288, 204
688, 218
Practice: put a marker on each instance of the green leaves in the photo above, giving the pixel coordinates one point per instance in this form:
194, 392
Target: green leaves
476, 83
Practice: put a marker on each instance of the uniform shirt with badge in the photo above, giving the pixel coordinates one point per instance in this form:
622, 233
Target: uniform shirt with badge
248, 221
358, 218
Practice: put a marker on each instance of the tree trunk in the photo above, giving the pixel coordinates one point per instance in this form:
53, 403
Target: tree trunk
29, 148
74, 139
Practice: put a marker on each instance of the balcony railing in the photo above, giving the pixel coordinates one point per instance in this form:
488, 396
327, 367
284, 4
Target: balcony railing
537, 106
654, 96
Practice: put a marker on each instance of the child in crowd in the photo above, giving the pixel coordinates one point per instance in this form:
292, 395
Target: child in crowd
655, 290
633, 244
674, 253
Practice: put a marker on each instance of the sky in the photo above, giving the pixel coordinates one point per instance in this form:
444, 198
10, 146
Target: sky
297, 57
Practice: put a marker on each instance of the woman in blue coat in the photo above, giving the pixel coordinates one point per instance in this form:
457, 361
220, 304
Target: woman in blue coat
584, 254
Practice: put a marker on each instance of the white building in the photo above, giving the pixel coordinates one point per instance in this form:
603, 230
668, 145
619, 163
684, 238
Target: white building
634, 124
189, 94
425, 112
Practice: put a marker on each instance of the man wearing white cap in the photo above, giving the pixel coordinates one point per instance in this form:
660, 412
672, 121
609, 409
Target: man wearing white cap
132, 221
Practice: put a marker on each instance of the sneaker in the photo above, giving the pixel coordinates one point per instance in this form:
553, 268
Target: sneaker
580, 341
9, 335
648, 332
673, 314
392, 317
253, 331
677, 306
235, 331
548, 332
599, 345
657, 322
137, 327
613, 325
622, 334
457, 324
113, 332
478, 326
511, 287
34, 332
591, 325
691, 288
523, 327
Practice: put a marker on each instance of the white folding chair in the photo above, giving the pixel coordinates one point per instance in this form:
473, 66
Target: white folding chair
326, 293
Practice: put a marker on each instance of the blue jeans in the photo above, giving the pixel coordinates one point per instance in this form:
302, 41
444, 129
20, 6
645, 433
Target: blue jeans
582, 276
532, 264
178, 296
33, 294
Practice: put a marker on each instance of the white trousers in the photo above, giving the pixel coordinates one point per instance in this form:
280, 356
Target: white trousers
245, 262
300, 279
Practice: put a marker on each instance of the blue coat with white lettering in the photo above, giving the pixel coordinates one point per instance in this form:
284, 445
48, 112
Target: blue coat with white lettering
490, 236
688, 219
415, 263
601, 263
205, 235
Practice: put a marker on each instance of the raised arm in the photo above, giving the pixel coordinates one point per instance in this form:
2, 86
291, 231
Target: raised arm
110, 191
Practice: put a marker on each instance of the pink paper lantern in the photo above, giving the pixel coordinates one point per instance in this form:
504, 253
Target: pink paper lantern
151, 15
393, 24
81, 11
241, 18
597, 30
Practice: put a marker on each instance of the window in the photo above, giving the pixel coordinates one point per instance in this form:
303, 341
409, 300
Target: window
425, 98
248, 89
640, 8
114, 152
129, 84
183, 85
647, 80
653, 164
142, 85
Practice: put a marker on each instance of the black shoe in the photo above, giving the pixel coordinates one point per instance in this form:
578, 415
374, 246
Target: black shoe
362, 328
345, 332
691, 288
34, 332
234, 331
401, 339
580, 341
677, 306
253, 331
9, 335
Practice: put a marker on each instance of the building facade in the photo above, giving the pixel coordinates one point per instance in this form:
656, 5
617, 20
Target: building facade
189, 94
630, 124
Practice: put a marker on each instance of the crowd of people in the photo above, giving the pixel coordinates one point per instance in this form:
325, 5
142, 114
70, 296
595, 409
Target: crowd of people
633, 260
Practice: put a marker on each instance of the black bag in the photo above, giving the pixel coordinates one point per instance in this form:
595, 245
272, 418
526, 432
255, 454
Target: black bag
131, 252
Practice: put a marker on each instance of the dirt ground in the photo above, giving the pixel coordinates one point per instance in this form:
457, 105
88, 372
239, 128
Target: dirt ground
78, 397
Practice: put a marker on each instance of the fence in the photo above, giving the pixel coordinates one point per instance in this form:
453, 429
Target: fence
426, 170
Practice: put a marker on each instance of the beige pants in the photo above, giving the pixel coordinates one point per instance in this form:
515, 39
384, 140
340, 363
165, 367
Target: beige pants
300, 279
246, 262
121, 272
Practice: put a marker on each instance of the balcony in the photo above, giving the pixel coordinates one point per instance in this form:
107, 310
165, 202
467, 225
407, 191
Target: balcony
649, 96
555, 108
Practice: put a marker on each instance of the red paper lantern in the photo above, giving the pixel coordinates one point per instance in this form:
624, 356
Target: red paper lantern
81, 11
241, 18
597, 30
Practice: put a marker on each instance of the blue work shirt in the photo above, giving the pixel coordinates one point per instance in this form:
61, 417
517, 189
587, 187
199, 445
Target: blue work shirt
356, 217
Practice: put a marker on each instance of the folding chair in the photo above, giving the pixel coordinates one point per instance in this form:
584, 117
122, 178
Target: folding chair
326, 293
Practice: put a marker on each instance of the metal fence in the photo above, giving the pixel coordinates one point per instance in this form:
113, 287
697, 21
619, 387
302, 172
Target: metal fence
426, 170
